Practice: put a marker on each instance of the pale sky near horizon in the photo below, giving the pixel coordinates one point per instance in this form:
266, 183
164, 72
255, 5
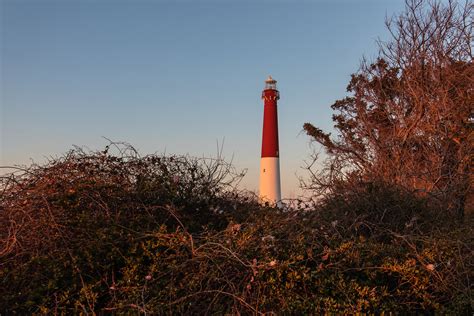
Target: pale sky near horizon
177, 76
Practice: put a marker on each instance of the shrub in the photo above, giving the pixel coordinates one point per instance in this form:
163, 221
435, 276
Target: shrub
99, 233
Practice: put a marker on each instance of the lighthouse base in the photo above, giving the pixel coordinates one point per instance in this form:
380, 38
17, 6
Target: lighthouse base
270, 191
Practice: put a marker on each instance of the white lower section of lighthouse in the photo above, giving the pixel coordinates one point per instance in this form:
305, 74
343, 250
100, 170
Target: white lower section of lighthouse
270, 190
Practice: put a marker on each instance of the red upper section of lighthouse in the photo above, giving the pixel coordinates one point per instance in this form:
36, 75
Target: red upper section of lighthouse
270, 120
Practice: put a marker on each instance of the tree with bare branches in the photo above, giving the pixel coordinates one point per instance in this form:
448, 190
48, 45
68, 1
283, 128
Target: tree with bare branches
408, 120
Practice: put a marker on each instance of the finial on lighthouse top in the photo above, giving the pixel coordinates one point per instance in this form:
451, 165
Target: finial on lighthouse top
270, 83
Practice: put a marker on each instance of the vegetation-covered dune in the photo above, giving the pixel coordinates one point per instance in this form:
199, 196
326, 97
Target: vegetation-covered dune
96, 233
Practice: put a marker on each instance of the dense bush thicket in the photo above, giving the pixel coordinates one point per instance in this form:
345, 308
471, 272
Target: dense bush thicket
102, 232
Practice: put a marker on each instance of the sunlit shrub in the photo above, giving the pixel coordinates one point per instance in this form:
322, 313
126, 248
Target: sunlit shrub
102, 232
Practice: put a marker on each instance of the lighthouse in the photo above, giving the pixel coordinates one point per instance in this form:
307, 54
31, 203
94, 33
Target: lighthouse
270, 190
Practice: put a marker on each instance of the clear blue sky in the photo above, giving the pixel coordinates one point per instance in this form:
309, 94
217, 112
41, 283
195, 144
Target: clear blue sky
177, 76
